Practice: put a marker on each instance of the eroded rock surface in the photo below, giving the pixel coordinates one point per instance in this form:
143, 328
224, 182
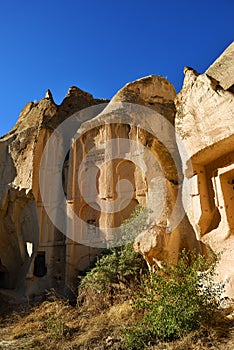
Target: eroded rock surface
222, 70
205, 121
32, 251
130, 138
152, 127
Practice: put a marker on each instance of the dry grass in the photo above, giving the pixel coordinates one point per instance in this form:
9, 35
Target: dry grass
54, 324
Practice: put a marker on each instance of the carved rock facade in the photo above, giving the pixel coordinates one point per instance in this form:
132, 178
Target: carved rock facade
205, 121
32, 250
35, 255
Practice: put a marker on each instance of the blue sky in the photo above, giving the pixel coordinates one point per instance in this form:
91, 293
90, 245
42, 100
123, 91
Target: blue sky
101, 45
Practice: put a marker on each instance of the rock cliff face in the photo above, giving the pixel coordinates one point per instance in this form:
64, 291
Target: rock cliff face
133, 138
32, 251
205, 121
121, 121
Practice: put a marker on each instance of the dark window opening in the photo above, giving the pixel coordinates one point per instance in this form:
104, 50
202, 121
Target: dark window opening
4, 276
4, 279
65, 173
40, 268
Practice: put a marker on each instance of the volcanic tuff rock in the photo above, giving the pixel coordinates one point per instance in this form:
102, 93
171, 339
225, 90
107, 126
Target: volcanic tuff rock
125, 120
205, 122
22, 217
222, 70
35, 255
153, 91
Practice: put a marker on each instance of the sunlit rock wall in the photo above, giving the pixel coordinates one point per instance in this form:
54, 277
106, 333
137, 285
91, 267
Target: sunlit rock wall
205, 121
119, 158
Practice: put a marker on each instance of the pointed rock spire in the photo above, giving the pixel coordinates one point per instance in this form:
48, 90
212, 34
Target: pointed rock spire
48, 95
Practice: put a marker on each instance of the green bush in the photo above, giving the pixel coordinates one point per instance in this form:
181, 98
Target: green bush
175, 301
120, 264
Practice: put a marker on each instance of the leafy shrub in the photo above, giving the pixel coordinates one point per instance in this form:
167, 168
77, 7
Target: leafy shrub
175, 301
120, 264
